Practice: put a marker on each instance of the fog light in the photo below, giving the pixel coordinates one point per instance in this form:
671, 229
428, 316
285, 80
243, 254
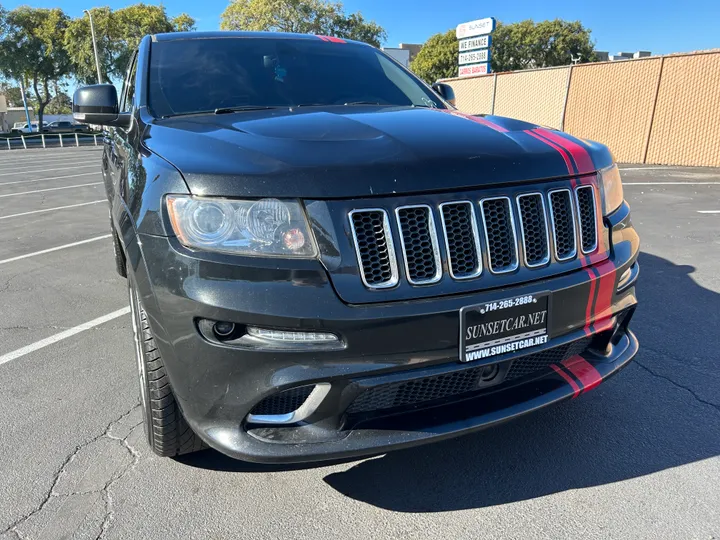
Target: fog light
224, 329
284, 336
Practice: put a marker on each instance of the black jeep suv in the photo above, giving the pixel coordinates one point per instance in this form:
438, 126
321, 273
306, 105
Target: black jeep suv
326, 259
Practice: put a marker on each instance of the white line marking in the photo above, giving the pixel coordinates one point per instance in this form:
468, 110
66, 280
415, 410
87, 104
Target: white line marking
4, 359
27, 162
51, 178
646, 168
49, 170
51, 209
65, 246
671, 183
708, 211
50, 189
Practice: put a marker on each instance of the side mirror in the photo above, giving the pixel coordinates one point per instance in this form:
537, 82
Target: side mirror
98, 104
445, 91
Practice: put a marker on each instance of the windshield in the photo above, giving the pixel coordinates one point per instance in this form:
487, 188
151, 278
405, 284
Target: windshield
197, 75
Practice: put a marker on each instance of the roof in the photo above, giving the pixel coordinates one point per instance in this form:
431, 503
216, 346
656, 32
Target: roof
174, 36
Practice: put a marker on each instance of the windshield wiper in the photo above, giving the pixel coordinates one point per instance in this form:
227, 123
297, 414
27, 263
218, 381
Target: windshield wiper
365, 103
226, 110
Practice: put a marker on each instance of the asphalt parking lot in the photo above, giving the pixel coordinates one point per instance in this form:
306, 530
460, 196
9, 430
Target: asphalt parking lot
636, 458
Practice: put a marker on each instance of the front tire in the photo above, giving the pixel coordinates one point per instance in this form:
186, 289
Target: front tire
166, 430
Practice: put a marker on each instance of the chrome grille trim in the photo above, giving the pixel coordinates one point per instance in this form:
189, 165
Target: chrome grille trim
392, 257
595, 218
432, 231
513, 244
476, 240
573, 220
546, 259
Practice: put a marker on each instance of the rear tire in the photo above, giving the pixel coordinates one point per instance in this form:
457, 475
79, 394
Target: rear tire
167, 432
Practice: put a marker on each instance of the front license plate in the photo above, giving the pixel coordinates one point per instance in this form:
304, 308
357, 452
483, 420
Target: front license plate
503, 326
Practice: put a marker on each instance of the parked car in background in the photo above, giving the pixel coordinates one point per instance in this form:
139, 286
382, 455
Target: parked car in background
63, 126
22, 127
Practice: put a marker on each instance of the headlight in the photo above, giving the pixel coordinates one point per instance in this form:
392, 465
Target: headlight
611, 187
267, 227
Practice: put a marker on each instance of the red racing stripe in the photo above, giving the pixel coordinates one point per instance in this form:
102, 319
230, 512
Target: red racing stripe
568, 378
606, 288
580, 155
554, 146
588, 376
488, 123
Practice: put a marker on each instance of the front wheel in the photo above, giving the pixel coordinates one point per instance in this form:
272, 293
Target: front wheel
166, 430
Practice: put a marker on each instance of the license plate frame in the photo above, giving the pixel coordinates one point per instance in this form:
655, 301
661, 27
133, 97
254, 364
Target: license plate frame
485, 332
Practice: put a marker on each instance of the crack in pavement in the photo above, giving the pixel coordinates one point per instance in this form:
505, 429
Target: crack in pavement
678, 385
104, 491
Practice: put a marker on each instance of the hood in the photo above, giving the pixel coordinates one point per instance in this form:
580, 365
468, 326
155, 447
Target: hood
359, 151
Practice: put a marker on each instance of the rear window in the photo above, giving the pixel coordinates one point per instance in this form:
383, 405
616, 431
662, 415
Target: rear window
197, 75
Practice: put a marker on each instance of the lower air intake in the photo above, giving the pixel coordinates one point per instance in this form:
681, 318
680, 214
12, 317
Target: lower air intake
283, 402
418, 392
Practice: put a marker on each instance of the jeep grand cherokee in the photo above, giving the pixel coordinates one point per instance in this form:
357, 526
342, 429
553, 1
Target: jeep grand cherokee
326, 259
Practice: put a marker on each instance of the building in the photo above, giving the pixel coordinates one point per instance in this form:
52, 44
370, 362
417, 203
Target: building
604, 56
404, 54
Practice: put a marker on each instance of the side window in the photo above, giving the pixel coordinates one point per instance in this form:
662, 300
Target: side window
128, 93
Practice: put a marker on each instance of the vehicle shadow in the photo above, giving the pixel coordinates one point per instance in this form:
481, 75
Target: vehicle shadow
661, 412
636, 424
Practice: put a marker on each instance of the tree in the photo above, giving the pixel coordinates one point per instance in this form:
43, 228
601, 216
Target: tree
527, 44
118, 33
60, 104
31, 50
12, 94
322, 17
515, 46
438, 58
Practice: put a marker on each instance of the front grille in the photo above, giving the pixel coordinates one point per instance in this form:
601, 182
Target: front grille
419, 242
458, 383
373, 243
563, 220
500, 234
462, 240
283, 402
585, 198
536, 243
559, 214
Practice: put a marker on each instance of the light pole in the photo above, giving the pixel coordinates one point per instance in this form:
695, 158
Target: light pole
97, 59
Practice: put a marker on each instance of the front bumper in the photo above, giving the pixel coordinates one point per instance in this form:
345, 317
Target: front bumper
217, 386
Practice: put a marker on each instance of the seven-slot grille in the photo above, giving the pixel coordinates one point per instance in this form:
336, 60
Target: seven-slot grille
476, 234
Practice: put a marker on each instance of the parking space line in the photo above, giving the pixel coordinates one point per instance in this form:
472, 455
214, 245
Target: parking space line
645, 168
671, 183
708, 211
49, 170
52, 209
34, 161
44, 179
57, 248
4, 359
49, 189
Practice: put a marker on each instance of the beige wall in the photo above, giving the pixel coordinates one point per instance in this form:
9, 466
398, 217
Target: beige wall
654, 110
536, 96
686, 127
474, 95
612, 103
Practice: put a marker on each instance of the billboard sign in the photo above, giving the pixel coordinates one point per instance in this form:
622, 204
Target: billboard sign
478, 27
469, 44
474, 69
474, 57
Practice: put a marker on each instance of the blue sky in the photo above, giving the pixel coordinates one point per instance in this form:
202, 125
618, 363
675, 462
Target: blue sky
660, 26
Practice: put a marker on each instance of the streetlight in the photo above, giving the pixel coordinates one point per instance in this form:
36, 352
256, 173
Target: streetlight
92, 31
